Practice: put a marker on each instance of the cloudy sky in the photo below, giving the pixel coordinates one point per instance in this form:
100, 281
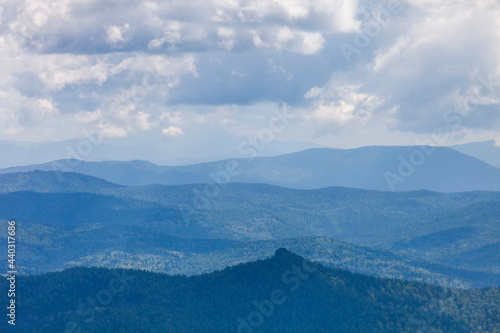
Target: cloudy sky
349, 72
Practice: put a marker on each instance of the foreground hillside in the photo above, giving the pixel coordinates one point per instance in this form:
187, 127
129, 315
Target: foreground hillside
381, 168
283, 294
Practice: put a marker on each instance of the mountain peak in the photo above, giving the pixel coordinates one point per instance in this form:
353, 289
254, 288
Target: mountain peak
282, 252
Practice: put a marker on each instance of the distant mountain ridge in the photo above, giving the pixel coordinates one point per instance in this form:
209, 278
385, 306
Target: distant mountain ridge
200, 144
382, 168
488, 151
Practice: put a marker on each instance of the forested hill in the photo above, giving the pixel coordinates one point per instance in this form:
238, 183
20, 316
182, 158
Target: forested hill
453, 229
282, 294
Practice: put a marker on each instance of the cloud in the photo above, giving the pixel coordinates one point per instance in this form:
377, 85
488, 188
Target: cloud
143, 121
112, 131
329, 16
78, 45
122, 67
438, 63
88, 117
120, 90
280, 38
173, 118
83, 26
56, 71
172, 35
172, 131
36, 110
118, 35
339, 105
227, 38
431, 72
313, 92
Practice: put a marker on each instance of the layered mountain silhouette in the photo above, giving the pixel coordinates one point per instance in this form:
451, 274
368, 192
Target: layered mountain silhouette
377, 167
200, 144
85, 220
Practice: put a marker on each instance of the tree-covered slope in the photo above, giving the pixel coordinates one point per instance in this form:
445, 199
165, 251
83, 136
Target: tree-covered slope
283, 294
40, 181
42, 248
470, 237
465, 223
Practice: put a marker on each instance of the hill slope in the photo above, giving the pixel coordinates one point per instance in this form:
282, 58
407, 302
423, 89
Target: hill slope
55, 182
43, 249
254, 211
487, 151
283, 294
467, 237
377, 167
406, 221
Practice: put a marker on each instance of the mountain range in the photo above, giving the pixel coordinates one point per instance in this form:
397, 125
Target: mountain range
380, 168
220, 229
72, 219
197, 144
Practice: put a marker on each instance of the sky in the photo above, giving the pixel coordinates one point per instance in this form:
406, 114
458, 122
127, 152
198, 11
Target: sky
343, 73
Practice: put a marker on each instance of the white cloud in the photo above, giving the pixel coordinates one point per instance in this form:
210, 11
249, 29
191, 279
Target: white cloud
112, 131
313, 92
339, 105
391, 55
121, 86
226, 37
437, 63
88, 116
326, 15
118, 34
173, 118
175, 25
43, 107
172, 35
308, 43
284, 38
172, 131
57, 71
22, 111
433, 64
339, 113
143, 121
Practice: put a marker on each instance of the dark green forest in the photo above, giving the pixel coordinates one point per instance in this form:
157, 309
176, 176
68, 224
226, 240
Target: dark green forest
282, 294
43, 249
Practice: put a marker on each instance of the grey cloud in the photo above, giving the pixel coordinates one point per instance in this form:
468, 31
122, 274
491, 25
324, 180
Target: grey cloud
430, 67
80, 55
